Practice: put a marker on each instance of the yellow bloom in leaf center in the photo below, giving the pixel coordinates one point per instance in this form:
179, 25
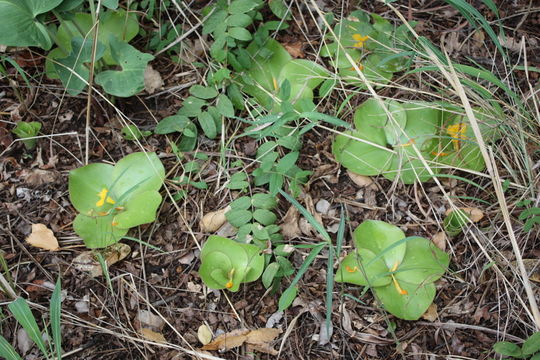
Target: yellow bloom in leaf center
396, 284
360, 40
103, 198
457, 132
350, 269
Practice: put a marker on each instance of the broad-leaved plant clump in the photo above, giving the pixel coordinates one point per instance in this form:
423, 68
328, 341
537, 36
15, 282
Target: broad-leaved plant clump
404, 139
226, 264
113, 199
400, 270
377, 48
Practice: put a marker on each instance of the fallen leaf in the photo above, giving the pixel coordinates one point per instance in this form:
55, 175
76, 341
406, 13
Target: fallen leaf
146, 319
360, 180
289, 227
86, 261
37, 177
152, 335
204, 334
42, 238
431, 313
213, 220
263, 335
475, 214
295, 49
439, 239
532, 266
152, 80
228, 341
322, 206
264, 348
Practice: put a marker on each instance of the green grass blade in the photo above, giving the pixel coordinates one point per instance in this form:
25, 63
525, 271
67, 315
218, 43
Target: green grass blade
55, 311
105, 270
21, 311
7, 351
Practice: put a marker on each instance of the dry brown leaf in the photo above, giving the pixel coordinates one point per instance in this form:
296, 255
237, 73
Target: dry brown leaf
42, 238
212, 221
431, 313
295, 49
228, 341
263, 335
87, 262
38, 177
204, 334
439, 239
532, 266
152, 80
152, 335
264, 348
146, 319
475, 214
360, 180
289, 228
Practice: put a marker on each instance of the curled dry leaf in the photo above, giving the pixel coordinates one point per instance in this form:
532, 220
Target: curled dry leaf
152, 335
228, 341
213, 220
439, 239
431, 313
43, 238
146, 319
87, 262
295, 49
258, 339
263, 335
152, 80
360, 180
204, 334
289, 227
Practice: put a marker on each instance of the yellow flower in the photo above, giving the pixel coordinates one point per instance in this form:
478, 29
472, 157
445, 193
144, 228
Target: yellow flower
360, 40
457, 132
396, 284
350, 269
360, 67
104, 198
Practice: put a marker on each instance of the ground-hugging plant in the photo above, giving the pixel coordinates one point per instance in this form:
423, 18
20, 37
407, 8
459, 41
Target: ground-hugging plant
26, 130
29, 23
386, 142
400, 270
226, 264
529, 350
113, 199
373, 44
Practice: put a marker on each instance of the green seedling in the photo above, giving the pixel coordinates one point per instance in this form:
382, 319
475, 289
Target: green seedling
225, 263
401, 271
529, 350
24, 316
531, 215
113, 199
401, 140
25, 130
455, 222
378, 49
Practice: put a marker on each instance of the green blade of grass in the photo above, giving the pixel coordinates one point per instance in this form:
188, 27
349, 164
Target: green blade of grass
55, 310
21, 311
105, 270
7, 351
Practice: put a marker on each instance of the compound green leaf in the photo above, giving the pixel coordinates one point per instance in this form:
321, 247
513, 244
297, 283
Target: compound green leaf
130, 80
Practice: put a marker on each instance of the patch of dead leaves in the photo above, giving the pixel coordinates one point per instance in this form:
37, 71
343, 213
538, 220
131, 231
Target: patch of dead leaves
259, 340
212, 221
43, 238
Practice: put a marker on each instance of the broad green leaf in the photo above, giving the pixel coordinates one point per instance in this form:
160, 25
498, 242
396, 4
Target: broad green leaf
241, 6
408, 306
225, 106
72, 70
21, 311
269, 274
242, 203
279, 8
239, 33
111, 4
211, 262
86, 183
287, 162
370, 119
240, 20
98, 231
532, 344
395, 123
138, 209
361, 157
378, 236
118, 24
238, 218
300, 72
203, 92
360, 268
423, 262
136, 173
19, 26
170, 124
130, 80
407, 165
191, 106
208, 125
507, 349
214, 21
265, 217
287, 298
264, 201
255, 262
